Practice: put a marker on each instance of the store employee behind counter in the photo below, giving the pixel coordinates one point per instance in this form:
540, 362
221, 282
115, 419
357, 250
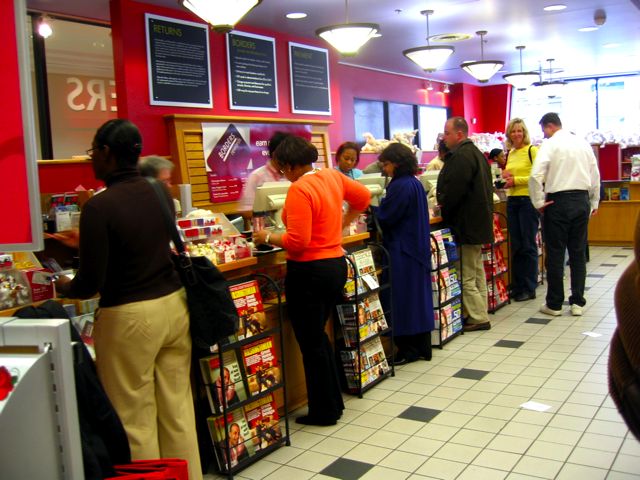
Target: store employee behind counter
141, 334
316, 267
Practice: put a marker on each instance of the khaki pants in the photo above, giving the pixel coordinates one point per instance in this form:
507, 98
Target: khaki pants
143, 357
474, 285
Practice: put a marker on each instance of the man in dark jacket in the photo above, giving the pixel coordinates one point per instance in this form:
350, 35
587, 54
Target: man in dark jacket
465, 195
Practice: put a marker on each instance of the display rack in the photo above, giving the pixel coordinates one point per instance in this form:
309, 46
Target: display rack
362, 320
446, 286
540, 250
245, 423
495, 267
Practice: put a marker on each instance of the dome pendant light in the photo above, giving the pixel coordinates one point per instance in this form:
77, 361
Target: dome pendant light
222, 15
522, 79
347, 37
429, 58
482, 70
551, 88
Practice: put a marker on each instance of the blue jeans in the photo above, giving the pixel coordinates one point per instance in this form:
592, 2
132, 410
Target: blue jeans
523, 220
565, 228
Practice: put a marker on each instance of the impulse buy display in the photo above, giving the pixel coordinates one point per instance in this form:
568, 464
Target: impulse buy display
23, 280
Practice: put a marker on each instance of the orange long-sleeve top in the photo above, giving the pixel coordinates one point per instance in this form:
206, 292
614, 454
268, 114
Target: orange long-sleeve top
312, 214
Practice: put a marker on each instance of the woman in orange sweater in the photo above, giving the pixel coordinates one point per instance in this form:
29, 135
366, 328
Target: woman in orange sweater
316, 268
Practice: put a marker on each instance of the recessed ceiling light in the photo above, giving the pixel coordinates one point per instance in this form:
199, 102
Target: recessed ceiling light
554, 8
611, 45
296, 15
588, 29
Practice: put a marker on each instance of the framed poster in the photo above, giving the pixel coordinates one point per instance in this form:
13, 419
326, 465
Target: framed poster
251, 66
178, 62
233, 150
310, 87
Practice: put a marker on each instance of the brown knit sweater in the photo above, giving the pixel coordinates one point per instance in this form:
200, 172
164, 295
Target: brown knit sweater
624, 355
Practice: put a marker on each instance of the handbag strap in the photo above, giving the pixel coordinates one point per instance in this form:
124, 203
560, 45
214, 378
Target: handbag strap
166, 214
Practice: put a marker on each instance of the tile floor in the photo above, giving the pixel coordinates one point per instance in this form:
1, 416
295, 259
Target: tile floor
460, 416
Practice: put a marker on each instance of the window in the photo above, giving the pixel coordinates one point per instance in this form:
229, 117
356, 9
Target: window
369, 118
79, 86
432, 120
619, 104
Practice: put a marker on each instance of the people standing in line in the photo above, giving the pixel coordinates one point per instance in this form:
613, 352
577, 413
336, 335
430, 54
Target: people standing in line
266, 173
438, 162
565, 187
141, 332
347, 158
404, 217
465, 196
316, 267
523, 219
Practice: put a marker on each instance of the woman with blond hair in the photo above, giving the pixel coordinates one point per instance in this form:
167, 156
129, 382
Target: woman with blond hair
522, 217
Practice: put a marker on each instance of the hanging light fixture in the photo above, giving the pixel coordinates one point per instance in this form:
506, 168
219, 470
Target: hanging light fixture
221, 14
446, 88
551, 88
482, 70
429, 58
522, 79
429, 86
44, 26
347, 37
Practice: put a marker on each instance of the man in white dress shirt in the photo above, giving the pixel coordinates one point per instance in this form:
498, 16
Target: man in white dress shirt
565, 186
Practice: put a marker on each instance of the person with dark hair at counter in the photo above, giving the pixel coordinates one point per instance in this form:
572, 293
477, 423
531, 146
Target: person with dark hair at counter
316, 267
497, 155
347, 158
404, 217
141, 333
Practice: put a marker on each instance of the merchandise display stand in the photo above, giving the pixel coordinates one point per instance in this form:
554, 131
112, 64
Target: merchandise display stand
245, 423
446, 285
495, 267
39, 417
362, 320
540, 247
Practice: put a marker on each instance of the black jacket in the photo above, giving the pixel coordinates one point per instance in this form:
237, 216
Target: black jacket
465, 194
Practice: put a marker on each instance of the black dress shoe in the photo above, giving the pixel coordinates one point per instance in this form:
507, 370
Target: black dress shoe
472, 327
524, 296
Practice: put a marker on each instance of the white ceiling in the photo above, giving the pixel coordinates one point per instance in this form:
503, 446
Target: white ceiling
612, 49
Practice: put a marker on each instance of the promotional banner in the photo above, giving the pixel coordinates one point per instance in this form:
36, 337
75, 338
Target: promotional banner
310, 88
178, 62
252, 72
233, 150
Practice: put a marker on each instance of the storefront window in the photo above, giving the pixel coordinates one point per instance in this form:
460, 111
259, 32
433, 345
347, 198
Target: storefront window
80, 85
432, 120
369, 118
401, 118
619, 104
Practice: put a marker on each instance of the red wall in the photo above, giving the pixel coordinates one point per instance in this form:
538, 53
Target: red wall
130, 57
66, 177
489, 106
16, 220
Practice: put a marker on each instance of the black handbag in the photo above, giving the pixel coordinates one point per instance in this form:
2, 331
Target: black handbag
212, 313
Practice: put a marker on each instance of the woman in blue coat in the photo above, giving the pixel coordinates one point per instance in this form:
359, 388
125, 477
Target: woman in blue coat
404, 218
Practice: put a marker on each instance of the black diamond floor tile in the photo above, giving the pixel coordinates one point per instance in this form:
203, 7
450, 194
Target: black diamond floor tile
508, 344
346, 469
608, 264
470, 374
420, 414
595, 275
539, 321
620, 256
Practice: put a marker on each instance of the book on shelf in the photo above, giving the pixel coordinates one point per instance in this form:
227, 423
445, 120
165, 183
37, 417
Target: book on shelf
367, 318
624, 193
261, 365
235, 391
370, 363
445, 285
262, 417
248, 301
237, 437
366, 272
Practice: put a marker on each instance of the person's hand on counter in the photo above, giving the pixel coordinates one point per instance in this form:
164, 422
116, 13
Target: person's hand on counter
268, 237
69, 238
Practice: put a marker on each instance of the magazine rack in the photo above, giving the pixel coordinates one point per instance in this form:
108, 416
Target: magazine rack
495, 267
540, 248
446, 285
362, 320
244, 424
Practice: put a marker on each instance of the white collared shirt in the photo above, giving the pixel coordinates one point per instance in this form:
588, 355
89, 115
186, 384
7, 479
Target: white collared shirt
564, 162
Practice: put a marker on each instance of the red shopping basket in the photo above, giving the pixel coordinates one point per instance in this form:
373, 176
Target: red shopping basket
161, 469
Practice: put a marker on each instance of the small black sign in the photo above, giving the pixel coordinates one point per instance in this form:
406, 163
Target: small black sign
178, 62
310, 88
252, 72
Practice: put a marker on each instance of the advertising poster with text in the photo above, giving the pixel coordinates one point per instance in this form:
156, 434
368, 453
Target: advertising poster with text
233, 150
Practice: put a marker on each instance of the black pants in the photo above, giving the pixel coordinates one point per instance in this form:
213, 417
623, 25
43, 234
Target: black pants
523, 220
565, 228
313, 289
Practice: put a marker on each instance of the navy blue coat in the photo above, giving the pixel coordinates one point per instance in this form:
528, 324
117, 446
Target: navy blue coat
404, 217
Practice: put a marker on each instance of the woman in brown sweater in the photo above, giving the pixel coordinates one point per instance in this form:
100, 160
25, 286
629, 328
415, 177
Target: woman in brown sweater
624, 356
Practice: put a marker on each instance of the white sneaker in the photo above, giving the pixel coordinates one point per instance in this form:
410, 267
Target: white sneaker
550, 311
576, 310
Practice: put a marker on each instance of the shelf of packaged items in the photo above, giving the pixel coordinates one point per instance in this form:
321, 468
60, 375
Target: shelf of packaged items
491, 276
385, 266
439, 305
227, 469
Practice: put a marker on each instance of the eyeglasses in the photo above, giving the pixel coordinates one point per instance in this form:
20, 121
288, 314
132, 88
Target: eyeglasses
93, 149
